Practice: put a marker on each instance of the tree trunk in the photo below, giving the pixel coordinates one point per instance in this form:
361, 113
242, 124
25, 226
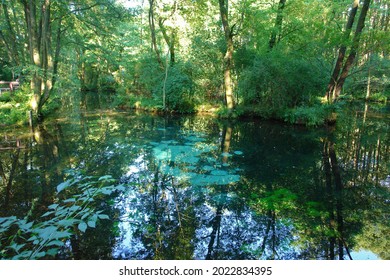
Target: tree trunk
341, 68
228, 59
11, 38
169, 40
340, 59
355, 45
153, 33
39, 23
278, 24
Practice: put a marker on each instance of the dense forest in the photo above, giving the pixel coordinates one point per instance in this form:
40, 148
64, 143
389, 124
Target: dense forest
289, 60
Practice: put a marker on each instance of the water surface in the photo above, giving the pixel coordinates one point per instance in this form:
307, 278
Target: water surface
194, 187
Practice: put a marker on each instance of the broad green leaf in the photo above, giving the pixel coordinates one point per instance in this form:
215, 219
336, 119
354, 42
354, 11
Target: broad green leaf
47, 213
82, 226
26, 226
103, 216
67, 222
63, 186
53, 206
105, 178
55, 243
92, 224
52, 252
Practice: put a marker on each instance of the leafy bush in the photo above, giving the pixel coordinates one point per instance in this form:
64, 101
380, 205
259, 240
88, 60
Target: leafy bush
73, 211
178, 89
279, 81
311, 116
14, 106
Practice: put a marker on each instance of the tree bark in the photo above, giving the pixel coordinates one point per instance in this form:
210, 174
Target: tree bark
341, 68
340, 59
355, 45
152, 27
11, 38
228, 59
278, 24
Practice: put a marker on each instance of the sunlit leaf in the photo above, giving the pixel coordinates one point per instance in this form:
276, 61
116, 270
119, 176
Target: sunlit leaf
63, 186
47, 213
82, 226
53, 206
26, 226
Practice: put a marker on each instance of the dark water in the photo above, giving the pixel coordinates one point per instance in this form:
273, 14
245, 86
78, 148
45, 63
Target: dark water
201, 188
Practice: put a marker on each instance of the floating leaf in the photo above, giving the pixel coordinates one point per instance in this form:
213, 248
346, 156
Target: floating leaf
238, 153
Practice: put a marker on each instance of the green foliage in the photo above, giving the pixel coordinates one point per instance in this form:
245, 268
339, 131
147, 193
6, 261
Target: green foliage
14, 106
279, 81
73, 212
310, 115
178, 89
278, 200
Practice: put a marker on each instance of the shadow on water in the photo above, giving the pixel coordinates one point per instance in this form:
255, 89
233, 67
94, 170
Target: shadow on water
198, 188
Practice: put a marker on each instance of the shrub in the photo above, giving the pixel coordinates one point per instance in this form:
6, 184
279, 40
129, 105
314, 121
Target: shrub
279, 81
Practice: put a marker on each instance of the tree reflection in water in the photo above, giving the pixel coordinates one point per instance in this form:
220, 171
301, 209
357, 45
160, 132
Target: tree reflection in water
197, 188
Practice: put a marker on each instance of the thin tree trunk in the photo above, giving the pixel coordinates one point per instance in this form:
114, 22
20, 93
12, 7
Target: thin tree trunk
153, 33
170, 41
340, 59
12, 37
278, 24
352, 55
228, 59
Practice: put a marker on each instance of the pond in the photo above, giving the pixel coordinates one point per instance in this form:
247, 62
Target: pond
117, 185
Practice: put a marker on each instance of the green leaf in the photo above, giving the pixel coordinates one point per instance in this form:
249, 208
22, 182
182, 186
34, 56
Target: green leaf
92, 224
55, 243
106, 191
105, 178
103, 216
82, 226
52, 252
26, 226
63, 186
53, 206
67, 222
120, 188
47, 213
